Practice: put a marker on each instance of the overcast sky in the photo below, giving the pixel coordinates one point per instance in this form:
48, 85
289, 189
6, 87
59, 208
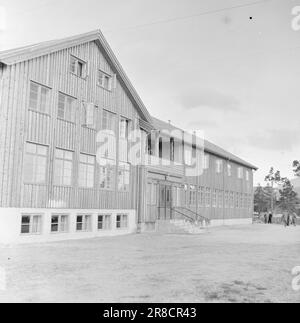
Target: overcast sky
236, 78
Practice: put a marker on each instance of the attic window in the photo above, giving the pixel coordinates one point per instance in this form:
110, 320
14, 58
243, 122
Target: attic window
77, 67
104, 80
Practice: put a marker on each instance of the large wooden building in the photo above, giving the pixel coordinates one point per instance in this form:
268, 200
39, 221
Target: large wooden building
80, 155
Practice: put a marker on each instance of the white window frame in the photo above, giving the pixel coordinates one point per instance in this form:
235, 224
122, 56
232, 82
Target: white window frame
85, 167
240, 172
124, 171
78, 61
36, 155
106, 222
38, 107
206, 161
85, 224
219, 166
108, 176
229, 170
62, 227
69, 107
247, 176
31, 226
123, 222
64, 160
104, 76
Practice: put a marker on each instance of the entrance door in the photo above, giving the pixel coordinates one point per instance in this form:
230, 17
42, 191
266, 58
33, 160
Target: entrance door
165, 202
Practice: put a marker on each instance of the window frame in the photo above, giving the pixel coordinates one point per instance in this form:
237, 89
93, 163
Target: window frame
59, 223
104, 75
39, 96
64, 160
30, 225
106, 225
36, 155
86, 225
72, 112
121, 221
78, 61
87, 165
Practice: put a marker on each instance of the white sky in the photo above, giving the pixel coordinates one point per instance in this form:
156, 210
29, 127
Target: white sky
235, 78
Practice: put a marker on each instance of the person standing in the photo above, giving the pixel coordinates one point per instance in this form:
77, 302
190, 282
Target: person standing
270, 220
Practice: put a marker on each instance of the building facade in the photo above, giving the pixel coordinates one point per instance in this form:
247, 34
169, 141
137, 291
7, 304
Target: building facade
80, 155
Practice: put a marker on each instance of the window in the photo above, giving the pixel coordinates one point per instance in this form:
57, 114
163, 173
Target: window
39, 98
108, 121
59, 223
83, 222
229, 170
104, 80
237, 200
35, 163
123, 176
123, 142
220, 199
227, 202
247, 175
107, 176
63, 167
208, 197
206, 161
31, 224
214, 198
202, 196
104, 222
172, 149
193, 197
160, 147
86, 171
122, 221
219, 166
89, 115
240, 172
232, 200
66, 109
241, 200
77, 66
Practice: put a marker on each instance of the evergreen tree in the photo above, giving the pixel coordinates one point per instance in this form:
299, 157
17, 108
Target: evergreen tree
288, 197
296, 165
261, 199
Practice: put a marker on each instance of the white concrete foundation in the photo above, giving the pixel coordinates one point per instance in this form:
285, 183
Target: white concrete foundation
215, 223
10, 225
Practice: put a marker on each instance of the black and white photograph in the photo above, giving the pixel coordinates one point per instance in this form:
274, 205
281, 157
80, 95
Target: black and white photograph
149, 154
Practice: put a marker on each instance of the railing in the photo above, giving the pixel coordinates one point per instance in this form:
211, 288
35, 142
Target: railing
195, 218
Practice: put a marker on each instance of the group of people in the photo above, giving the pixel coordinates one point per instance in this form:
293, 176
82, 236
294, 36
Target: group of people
287, 219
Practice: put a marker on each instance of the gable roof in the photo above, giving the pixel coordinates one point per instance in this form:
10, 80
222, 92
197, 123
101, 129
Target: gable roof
208, 146
13, 56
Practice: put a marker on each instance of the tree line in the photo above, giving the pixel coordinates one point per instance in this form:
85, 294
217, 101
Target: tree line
265, 199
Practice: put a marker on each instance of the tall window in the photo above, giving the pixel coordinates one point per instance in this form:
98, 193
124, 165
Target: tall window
35, 163
172, 149
123, 142
193, 198
226, 199
237, 200
220, 198
206, 161
107, 176
66, 107
77, 66
240, 172
208, 197
247, 175
104, 80
63, 167
202, 196
39, 98
108, 121
89, 115
83, 222
31, 224
229, 170
214, 198
232, 200
219, 166
104, 222
86, 171
122, 221
59, 223
123, 176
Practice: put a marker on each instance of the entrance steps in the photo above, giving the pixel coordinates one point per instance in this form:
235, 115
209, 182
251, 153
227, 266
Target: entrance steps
179, 226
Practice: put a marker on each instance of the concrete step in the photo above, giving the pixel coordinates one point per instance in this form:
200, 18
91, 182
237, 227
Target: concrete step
178, 226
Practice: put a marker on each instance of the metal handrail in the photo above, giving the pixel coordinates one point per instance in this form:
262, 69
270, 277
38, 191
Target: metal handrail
186, 216
198, 215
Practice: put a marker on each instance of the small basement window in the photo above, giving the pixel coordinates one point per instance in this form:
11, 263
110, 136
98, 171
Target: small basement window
122, 221
31, 224
104, 222
83, 223
59, 223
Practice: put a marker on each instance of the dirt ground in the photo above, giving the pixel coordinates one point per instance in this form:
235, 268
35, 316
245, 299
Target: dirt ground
227, 264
